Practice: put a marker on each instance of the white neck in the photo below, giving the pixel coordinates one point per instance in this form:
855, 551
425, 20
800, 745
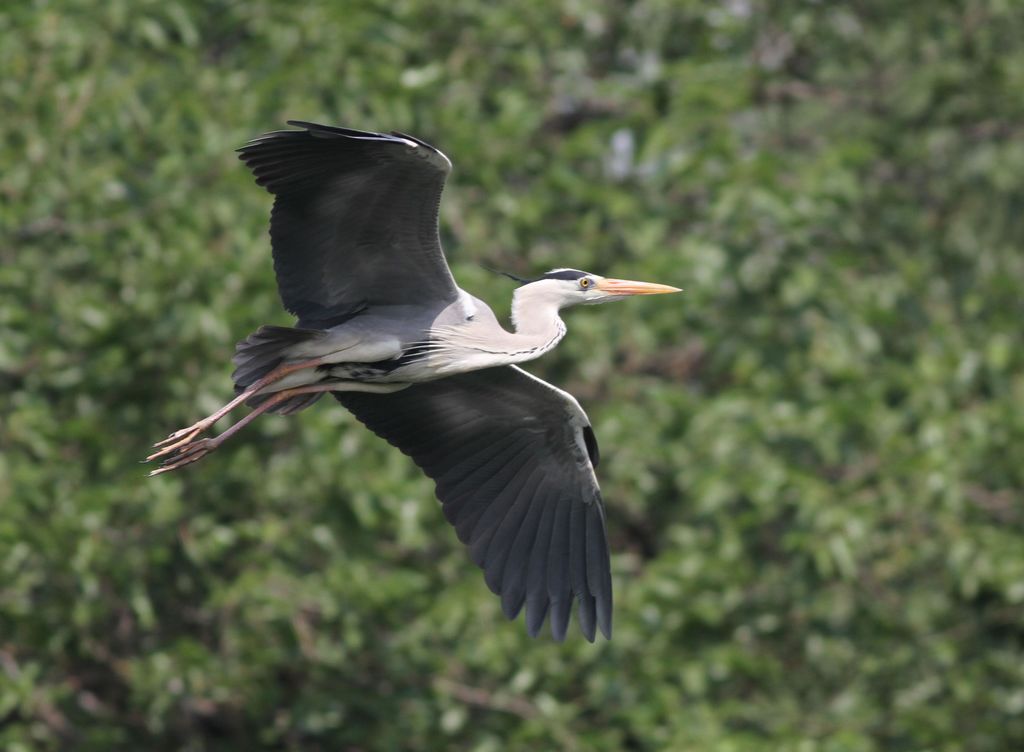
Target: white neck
533, 313
538, 328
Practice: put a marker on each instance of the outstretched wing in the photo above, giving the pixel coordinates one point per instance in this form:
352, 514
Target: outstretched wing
354, 220
512, 459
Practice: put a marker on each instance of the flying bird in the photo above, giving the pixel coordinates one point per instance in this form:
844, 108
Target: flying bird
383, 327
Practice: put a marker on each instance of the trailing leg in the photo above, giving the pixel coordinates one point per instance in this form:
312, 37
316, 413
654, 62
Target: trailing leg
264, 358
192, 448
185, 435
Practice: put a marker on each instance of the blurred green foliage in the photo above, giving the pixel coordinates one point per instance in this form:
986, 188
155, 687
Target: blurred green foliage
813, 458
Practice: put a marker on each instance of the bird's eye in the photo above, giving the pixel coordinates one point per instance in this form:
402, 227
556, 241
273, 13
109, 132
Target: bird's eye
585, 283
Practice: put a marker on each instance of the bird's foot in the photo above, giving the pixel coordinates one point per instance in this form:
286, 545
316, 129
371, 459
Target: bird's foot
193, 452
179, 440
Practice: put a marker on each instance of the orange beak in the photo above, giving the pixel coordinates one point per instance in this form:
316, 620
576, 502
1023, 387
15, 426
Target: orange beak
630, 287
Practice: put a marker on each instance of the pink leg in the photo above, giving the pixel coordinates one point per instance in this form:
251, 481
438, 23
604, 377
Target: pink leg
179, 439
199, 448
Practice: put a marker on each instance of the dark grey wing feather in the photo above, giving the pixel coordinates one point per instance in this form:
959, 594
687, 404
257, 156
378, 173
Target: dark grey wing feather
354, 220
512, 460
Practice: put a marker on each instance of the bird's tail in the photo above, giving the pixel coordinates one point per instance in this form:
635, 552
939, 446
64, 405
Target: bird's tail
263, 351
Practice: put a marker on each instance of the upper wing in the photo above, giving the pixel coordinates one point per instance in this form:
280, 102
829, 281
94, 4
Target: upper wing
354, 219
511, 457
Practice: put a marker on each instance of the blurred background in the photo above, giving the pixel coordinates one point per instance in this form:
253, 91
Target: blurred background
813, 458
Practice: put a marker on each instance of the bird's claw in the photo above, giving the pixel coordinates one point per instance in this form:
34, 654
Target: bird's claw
177, 434
180, 438
194, 452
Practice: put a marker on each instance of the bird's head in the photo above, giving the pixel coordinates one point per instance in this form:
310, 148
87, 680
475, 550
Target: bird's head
568, 287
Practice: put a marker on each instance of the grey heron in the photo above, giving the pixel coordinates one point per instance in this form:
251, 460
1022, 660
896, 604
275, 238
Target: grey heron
384, 328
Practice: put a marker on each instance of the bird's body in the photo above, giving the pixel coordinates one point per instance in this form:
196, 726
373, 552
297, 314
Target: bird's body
404, 345
427, 366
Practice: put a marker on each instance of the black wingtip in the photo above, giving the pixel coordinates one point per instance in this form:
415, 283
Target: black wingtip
511, 603
561, 610
536, 612
587, 616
